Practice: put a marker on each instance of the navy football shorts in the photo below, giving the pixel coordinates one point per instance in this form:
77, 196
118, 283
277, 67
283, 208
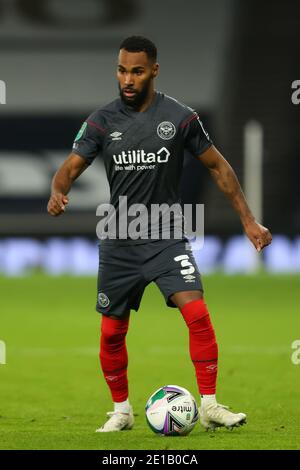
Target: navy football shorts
125, 271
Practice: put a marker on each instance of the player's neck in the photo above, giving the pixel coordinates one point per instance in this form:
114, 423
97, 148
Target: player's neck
148, 101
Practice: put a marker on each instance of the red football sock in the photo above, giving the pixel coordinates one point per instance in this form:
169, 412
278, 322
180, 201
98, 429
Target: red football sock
203, 345
113, 356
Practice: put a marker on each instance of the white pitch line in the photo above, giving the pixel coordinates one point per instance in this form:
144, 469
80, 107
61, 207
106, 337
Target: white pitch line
86, 351
167, 350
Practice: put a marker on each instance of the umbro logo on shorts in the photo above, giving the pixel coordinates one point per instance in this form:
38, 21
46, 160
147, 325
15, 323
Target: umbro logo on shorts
188, 270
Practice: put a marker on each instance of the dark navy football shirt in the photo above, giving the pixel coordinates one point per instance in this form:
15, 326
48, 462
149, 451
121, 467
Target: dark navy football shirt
143, 154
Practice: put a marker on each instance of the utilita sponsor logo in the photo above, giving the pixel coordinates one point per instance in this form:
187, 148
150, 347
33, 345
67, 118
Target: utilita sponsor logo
140, 156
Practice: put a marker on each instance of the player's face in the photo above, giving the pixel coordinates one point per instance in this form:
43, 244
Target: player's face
135, 75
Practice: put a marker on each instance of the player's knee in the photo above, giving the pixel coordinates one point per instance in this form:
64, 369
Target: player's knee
198, 321
201, 327
196, 314
180, 299
113, 331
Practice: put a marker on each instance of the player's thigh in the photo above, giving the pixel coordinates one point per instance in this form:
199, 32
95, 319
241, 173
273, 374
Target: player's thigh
178, 273
120, 283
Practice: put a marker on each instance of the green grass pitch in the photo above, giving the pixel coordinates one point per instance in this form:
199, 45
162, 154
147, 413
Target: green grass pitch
53, 395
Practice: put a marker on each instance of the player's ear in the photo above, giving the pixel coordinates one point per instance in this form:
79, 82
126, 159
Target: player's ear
155, 69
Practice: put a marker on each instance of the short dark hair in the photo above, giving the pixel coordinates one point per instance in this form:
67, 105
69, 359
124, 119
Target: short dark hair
140, 44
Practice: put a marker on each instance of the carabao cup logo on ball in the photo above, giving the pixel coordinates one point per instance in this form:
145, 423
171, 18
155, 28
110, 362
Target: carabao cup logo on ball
166, 130
171, 411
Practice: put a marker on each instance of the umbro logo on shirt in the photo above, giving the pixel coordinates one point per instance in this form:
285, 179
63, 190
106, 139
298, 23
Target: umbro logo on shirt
116, 135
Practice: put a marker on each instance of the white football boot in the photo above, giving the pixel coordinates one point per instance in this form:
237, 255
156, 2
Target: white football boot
117, 421
214, 415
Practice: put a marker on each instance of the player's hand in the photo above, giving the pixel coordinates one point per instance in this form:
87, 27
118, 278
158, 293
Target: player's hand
258, 235
57, 204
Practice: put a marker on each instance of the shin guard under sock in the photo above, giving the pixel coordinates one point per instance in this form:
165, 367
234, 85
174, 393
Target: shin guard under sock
203, 345
113, 356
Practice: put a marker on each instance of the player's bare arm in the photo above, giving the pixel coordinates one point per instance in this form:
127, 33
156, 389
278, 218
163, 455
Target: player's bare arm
62, 181
227, 181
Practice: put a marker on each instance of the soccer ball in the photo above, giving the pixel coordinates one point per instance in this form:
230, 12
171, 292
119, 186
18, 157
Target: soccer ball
171, 411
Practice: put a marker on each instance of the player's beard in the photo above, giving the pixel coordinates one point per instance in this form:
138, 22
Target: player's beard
139, 98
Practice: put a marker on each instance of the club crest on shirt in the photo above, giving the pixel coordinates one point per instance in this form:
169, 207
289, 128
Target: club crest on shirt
166, 130
103, 300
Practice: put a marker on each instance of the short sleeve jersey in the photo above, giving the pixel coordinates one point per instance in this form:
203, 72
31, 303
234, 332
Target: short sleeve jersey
143, 152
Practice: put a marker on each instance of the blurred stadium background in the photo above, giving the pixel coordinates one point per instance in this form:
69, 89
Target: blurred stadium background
235, 63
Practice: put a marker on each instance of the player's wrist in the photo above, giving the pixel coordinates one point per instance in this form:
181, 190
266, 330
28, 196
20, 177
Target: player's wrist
248, 220
55, 192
